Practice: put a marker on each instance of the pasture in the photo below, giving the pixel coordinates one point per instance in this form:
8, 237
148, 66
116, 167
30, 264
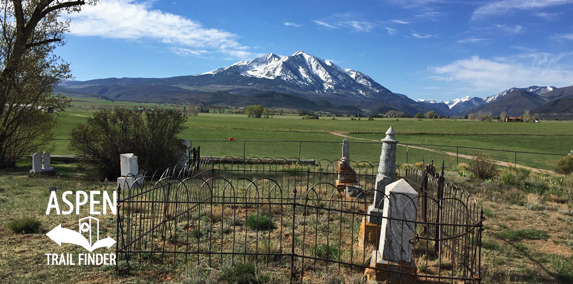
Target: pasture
528, 235
321, 137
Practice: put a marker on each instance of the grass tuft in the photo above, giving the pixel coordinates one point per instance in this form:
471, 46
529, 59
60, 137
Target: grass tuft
26, 225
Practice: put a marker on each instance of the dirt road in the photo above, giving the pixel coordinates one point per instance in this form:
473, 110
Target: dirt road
469, 157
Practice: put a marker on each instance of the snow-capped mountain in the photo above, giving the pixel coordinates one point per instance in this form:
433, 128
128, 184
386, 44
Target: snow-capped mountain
467, 103
532, 89
309, 74
430, 101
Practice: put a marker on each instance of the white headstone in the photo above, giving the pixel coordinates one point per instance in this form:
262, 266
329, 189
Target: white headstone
128, 164
129, 171
46, 162
398, 223
36, 163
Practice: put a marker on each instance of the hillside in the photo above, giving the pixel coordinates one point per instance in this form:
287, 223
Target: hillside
514, 103
557, 109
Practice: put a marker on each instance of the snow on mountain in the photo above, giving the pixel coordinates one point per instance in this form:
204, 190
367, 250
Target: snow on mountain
431, 101
532, 89
307, 72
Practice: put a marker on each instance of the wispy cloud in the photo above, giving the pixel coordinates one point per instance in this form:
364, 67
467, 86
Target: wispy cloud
401, 22
563, 37
501, 73
128, 19
509, 29
292, 24
325, 24
423, 36
347, 21
497, 8
471, 40
391, 31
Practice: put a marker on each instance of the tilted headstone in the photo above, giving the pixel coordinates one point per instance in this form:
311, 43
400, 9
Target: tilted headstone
36, 163
399, 222
46, 162
386, 175
394, 254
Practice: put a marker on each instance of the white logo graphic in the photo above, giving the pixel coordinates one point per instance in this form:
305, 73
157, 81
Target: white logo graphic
61, 235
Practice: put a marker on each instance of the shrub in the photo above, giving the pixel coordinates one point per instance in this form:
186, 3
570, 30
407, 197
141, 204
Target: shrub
26, 225
565, 165
482, 167
241, 273
151, 136
514, 175
260, 222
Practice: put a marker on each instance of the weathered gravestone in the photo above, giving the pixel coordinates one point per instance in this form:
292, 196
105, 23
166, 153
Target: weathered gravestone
129, 171
46, 162
184, 162
36, 163
347, 180
370, 227
394, 254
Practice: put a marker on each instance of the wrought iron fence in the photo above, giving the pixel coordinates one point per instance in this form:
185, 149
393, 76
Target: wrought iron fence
291, 217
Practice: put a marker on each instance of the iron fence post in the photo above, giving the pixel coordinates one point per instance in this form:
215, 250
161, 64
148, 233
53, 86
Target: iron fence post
244, 149
440, 196
293, 236
117, 226
299, 148
407, 148
457, 155
424, 191
515, 159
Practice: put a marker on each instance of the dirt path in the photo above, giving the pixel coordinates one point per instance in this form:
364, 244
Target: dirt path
469, 157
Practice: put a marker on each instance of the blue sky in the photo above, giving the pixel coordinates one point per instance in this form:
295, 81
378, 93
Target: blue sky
425, 49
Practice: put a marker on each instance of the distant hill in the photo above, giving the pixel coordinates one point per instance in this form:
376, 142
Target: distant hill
515, 103
316, 81
557, 109
558, 93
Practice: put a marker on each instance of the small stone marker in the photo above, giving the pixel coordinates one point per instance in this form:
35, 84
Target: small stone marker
398, 228
46, 162
36, 163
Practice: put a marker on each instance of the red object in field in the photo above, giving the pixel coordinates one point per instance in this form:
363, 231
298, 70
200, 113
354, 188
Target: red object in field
231, 139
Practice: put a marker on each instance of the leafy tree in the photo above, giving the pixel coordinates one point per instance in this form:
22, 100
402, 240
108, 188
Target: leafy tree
419, 115
111, 133
31, 30
255, 111
430, 114
526, 117
502, 116
267, 113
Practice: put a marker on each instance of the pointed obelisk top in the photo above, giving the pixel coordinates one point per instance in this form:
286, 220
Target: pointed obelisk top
390, 136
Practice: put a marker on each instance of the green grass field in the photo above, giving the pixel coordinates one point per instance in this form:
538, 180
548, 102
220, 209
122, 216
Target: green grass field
255, 137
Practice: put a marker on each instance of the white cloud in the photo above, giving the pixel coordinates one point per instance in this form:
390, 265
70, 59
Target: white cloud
471, 40
502, 7
400, 22
128, 19
347, 21
501, 73
423, 36
325, 24
563, 37
292, 24
391, 31
509, 29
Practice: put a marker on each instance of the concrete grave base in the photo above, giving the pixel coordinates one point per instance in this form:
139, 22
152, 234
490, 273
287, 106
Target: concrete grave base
391, 272
369, 234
